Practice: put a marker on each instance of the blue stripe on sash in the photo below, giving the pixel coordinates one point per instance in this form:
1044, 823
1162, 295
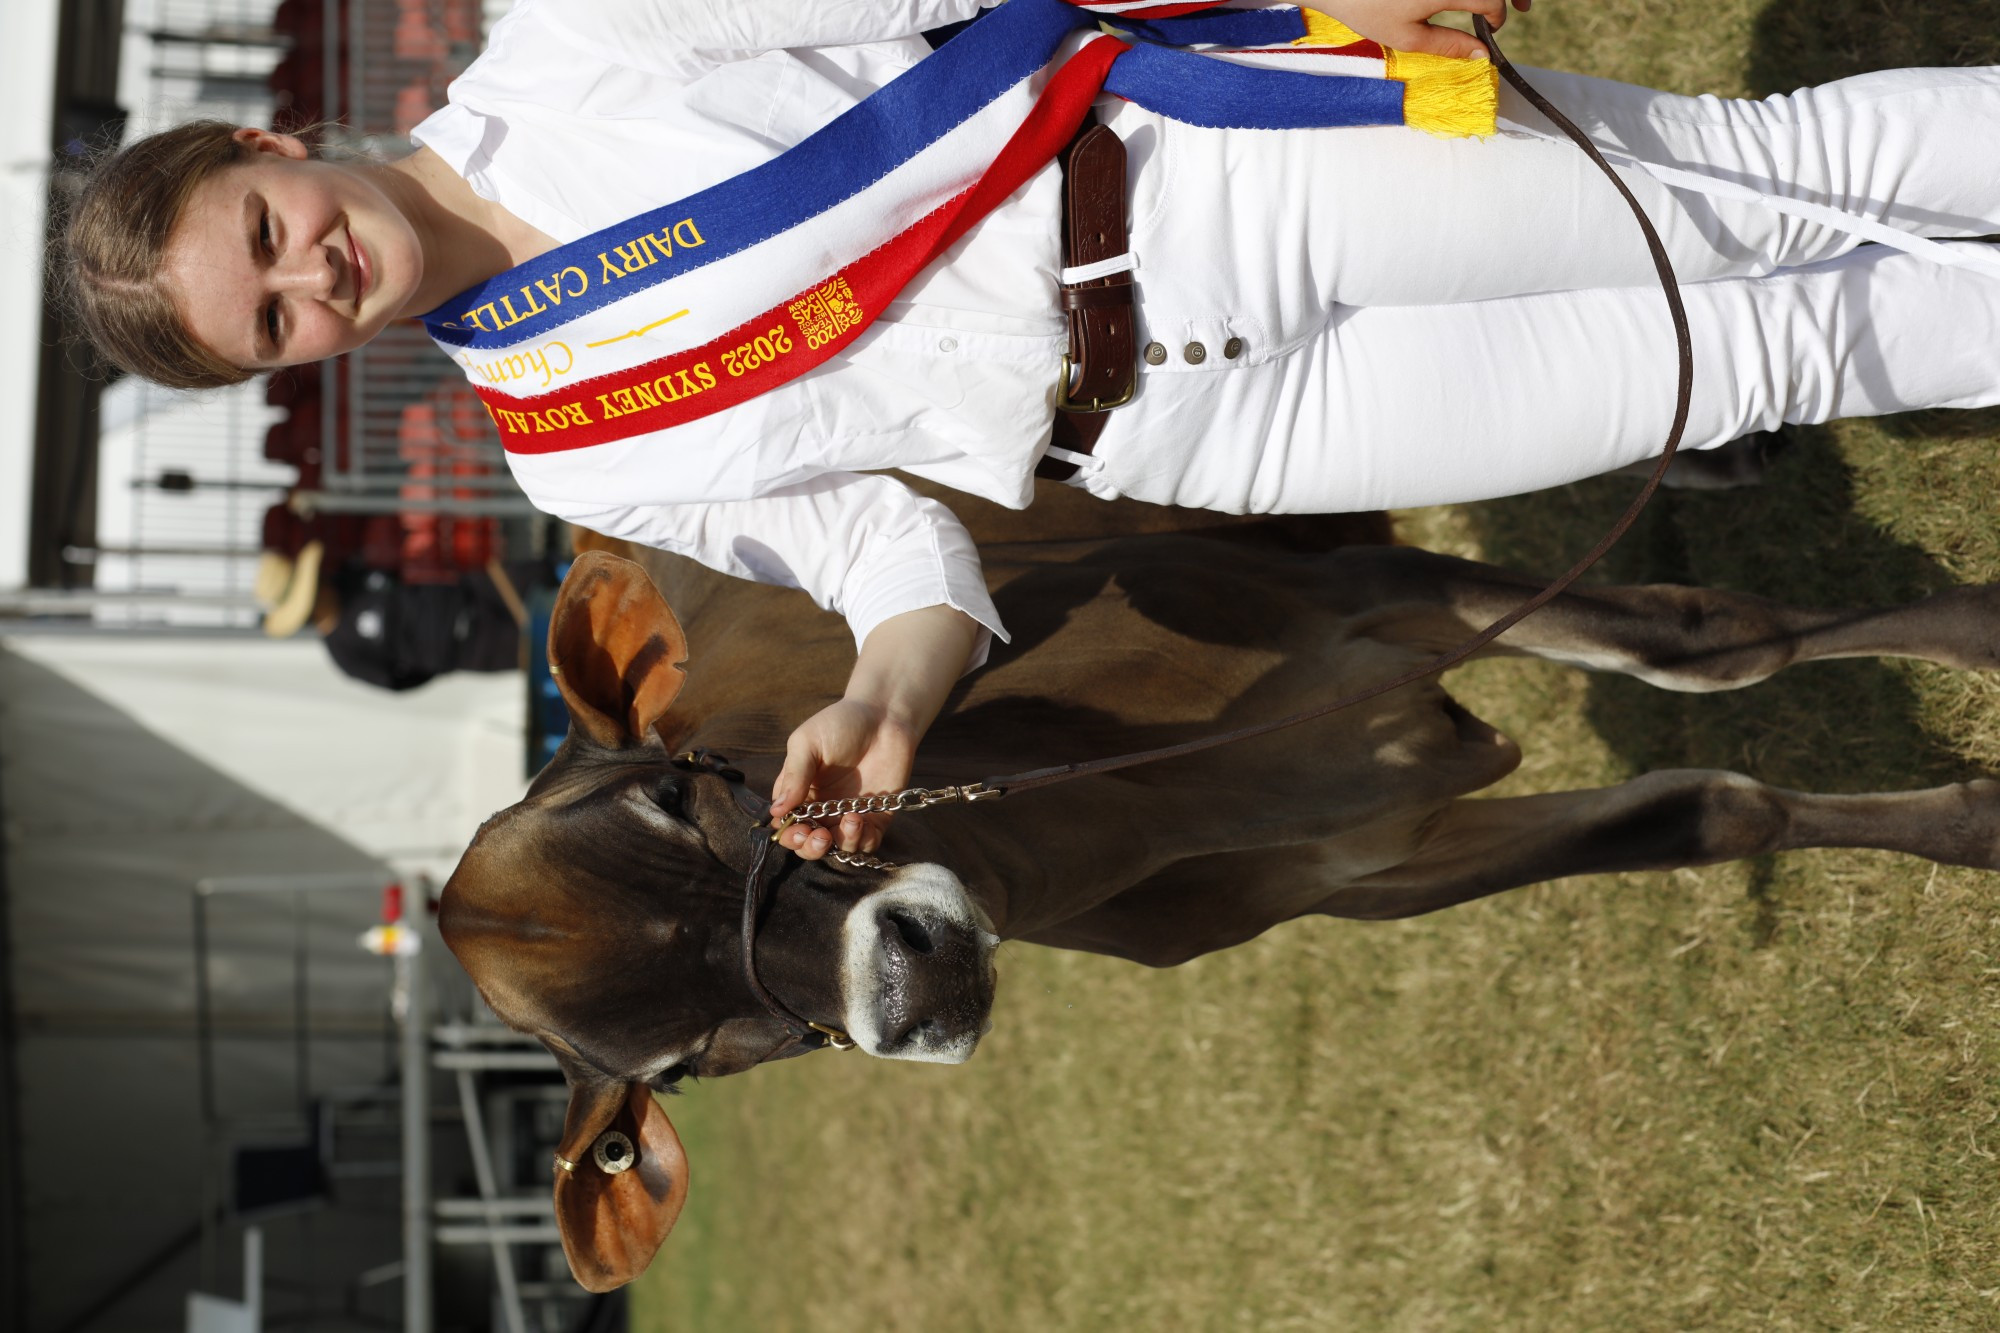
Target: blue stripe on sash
1203, 90
856, 149
1232, 27
873, 138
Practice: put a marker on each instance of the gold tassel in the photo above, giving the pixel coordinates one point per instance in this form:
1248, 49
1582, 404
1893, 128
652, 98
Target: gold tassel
1324, 31
1446, 96
1442, 95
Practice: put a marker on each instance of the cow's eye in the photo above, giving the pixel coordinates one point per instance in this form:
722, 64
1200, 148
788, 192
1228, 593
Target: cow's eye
664, 1080
670, 794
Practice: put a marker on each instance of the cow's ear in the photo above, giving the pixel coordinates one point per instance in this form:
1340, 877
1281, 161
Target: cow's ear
620, 1181
615, 650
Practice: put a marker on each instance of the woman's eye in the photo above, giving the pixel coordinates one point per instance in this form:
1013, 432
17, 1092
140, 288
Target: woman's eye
271, 322
264, 231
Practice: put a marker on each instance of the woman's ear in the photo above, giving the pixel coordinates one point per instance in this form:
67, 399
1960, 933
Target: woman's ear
255, 140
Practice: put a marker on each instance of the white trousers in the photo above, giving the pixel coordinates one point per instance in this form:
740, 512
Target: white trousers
1421, 321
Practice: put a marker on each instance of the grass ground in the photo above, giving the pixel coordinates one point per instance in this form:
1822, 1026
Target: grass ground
1755, 1097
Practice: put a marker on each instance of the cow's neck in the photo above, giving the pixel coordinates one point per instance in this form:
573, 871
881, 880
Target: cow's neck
763, 660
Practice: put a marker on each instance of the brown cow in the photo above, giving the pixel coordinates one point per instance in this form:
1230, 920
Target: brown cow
602, 913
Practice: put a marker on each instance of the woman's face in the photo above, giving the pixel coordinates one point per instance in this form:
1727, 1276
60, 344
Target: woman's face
280, 260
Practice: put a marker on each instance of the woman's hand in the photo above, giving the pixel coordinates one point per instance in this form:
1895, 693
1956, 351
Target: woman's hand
1405, 24
849, 748
867, 741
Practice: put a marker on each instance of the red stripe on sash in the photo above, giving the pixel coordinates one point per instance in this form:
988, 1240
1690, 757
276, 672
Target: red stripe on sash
1367, 49
804, 332
1363, 50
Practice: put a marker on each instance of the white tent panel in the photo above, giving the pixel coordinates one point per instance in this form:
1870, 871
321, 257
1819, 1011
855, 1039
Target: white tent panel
406, 777
175, 762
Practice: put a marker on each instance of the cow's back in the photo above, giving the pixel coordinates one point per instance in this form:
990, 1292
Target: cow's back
765, 657
1122, 642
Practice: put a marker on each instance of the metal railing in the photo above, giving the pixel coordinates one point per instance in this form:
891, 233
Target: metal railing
391, 455
439, 1030
183, 480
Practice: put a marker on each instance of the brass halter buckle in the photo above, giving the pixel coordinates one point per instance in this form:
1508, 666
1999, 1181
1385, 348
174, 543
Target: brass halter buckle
835, 1038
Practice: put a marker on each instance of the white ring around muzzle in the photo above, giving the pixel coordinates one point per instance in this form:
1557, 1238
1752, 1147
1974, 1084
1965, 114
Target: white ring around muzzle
924, 892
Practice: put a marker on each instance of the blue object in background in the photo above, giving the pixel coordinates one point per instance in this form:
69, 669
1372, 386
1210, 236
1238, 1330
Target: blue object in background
548, 719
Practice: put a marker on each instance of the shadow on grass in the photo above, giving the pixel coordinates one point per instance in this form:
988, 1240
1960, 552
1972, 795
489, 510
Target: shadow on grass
1840, 726
1795, 44
1829, 726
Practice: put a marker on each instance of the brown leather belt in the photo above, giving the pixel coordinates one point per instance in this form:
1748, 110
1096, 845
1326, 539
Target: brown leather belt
1102, 367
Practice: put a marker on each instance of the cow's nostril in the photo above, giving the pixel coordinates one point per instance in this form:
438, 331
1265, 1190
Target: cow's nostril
921, 1032
915, 938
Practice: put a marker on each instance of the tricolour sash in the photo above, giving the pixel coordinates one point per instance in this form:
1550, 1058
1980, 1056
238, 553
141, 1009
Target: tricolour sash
706, 302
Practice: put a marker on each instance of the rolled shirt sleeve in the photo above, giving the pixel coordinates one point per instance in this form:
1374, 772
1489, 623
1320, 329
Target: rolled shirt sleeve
860, 544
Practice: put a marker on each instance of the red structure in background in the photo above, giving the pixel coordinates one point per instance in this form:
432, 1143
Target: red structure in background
440, 437
437, 440
298, 83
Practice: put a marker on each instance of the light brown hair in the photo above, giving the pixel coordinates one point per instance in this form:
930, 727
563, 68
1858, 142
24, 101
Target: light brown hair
116, 241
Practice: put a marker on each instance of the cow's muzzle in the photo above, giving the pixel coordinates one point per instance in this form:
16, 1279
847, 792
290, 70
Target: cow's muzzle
917, 971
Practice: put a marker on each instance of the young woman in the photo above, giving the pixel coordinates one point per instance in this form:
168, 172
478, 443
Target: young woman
1332, 319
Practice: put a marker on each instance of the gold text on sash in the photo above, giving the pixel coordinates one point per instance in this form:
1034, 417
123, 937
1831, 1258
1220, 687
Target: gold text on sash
539, 422
551, 361
821, 316
541, 295
647, 249
668, 388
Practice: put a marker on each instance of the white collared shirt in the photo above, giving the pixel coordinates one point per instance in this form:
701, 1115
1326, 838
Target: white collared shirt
585, 112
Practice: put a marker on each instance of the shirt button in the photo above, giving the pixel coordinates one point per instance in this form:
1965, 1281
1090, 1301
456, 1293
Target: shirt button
1195, 353
1156, 354
1232, 349
947, 344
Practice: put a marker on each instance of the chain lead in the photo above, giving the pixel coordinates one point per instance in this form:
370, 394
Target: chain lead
890, 803
882, 803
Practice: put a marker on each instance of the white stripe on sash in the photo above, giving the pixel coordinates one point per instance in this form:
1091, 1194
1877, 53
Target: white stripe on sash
708, 302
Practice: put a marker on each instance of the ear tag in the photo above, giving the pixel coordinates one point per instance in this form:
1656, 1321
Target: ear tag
613, 1152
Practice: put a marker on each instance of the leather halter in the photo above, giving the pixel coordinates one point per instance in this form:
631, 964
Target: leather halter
813, 1034
805, 1032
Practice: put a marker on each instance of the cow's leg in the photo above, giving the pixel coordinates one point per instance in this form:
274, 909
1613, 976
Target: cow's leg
1679, 638
1663, 821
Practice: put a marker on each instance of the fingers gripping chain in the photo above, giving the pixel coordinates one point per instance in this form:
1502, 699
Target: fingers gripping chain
885, 803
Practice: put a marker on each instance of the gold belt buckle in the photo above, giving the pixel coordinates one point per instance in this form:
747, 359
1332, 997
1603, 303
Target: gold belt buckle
1065, 403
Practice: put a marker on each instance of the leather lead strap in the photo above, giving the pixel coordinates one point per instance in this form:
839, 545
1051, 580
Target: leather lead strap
1670, 286
1043, 777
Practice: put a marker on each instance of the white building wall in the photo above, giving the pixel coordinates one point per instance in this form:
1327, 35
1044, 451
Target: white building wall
27, 119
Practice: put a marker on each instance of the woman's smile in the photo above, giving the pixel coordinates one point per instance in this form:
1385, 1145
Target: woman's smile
282, 259
357, 258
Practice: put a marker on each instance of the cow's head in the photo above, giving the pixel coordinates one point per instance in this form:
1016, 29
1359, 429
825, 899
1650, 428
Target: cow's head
603, 914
